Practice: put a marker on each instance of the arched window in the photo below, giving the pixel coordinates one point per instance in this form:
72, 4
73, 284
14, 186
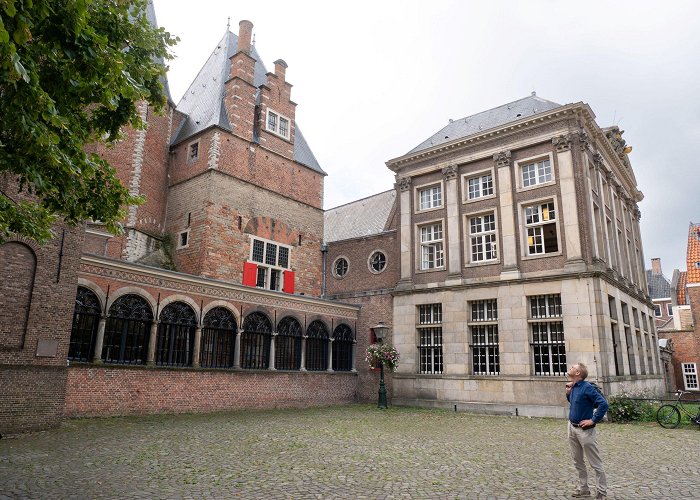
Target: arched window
127, 331
175, 340
86, 319
317, 346
255, 341
218, 339
342, 348
288, 344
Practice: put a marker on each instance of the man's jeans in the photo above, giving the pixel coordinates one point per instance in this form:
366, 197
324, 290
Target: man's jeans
583, 442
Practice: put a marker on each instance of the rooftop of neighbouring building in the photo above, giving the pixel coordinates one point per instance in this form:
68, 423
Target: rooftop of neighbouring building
492, 118
203, 102
659, 285
364, 217
693, 255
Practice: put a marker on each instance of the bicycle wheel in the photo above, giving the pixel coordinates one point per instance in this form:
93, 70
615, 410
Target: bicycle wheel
668, 416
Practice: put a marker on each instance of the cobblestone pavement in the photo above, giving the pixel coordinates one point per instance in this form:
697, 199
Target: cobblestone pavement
338, 452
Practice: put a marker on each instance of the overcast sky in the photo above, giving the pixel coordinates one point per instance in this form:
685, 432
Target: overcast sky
373, 79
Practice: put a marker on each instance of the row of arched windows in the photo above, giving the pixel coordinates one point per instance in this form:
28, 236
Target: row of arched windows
129, 324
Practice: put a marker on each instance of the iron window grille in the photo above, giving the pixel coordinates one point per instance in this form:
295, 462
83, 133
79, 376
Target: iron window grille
255, 342
430, 338
218, 339
175, 338
288, 344
86, 320
484, 337
316, 346
342, 348
547, 329
127, 331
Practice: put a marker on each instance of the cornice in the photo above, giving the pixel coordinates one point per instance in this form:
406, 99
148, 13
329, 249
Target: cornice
160, 278
502, 130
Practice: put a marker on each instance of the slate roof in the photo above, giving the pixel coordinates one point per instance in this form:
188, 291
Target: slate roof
203, 102
151, 17
364, 217
693, 255
492, 118
659, 286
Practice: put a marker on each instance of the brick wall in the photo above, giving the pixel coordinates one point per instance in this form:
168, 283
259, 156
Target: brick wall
107, 391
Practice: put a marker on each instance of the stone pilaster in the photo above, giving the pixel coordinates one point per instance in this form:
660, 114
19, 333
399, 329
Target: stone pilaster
509, 247
404, 185
454, 255
569, 209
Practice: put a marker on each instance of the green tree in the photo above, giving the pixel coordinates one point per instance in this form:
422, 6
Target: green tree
72, 72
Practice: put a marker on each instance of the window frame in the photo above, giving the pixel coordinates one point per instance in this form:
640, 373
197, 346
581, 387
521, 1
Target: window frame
524, 241
369, 261
468, 257
489, 350
433, 349
548, 320
270, 270
479, 174
533, 160
185, 233
193, 145
277, 127
335, 262
423, 187
420, 244
687, 373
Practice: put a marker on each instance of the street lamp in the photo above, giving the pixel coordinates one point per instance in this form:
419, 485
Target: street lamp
380, 332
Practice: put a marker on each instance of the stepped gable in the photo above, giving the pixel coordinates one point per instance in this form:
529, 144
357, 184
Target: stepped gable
486, 120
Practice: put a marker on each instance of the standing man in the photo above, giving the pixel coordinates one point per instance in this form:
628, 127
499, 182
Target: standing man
582, 434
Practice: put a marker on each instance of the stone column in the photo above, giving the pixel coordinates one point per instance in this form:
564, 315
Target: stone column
508, 233
197, 346
99, 340
353, 368
330, 355
302, 368
404, 184
153, 336
570, 212
237, 351
271, 364
452, 201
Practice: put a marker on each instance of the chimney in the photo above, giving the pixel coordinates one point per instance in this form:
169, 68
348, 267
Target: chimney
245, 34
280, 69
656, 266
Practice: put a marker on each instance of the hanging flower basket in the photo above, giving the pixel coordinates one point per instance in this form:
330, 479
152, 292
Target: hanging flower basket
382, 353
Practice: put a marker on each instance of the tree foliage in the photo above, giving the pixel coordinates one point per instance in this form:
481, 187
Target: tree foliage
72, 72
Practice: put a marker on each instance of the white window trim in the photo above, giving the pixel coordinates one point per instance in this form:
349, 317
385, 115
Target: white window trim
276, 131
523, 228
269, 266
199, 151
420, 187
468, 244
335, 261
419, 257
473, 175
693, 371
519, 164
179, 239
369, 261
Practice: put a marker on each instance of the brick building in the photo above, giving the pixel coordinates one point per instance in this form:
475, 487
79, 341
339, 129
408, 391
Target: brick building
513, 248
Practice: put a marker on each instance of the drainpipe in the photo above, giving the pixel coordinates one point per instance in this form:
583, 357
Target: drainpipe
324, 252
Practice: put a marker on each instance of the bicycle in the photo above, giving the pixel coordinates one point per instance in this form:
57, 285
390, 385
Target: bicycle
669, 415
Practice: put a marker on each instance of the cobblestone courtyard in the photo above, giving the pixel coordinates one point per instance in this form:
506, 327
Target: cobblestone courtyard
339, 452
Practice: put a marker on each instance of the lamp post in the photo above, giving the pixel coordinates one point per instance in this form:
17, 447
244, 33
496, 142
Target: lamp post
379, 333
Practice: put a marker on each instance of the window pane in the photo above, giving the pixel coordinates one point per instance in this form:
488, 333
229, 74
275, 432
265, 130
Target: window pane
258, 249
271, 254
283, 257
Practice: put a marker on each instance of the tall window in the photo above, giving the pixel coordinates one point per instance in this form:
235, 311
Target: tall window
277, 124
272, 260
342, 348
430, 338
482, 237
480, 186
484, 337
127, 331
288, 344
541, 227
255, 341
316, 346
430, 197
431, 246
690, 376
536, 173
175, 339
218, 339
547, 327
86, 319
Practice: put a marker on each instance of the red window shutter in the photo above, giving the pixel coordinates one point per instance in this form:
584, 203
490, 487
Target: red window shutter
250, 274
288, 282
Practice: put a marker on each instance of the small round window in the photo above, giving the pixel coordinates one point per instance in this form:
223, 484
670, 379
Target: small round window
377, 262
340, 267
